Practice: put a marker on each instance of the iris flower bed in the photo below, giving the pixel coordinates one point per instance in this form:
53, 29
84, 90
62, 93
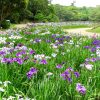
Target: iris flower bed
44, 63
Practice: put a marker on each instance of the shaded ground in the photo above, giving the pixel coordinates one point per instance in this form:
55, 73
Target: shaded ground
81, 31
20, 25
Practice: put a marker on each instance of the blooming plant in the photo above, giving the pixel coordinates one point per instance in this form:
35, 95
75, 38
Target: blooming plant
49, 49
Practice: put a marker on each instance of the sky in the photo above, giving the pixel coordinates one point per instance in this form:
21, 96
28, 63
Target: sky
79, 3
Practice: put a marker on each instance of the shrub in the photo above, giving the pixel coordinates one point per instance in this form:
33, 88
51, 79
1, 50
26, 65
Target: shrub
52, 18
15, 17
40, 17
5, 24
26, 14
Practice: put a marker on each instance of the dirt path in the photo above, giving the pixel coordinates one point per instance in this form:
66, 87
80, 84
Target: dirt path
21, 25
81, 31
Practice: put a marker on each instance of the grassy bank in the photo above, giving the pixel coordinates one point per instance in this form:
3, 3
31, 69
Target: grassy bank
96, 30
75, 26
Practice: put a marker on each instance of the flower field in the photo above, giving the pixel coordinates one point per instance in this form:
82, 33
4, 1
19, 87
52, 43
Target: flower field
41, 62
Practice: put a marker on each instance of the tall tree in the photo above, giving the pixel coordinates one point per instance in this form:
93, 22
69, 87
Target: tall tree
8, 6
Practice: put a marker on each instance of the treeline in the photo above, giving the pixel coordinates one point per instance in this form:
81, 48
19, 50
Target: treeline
43, 11
73, 13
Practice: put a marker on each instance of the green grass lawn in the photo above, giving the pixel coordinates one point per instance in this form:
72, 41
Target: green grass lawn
96, 30
75, 26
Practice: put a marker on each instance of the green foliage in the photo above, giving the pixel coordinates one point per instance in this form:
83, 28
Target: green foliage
95, 14
40, 17
5, 24
43, 10
52, 18
71, 13
48, 84
27, 14
37, 6
11, 7
14, 17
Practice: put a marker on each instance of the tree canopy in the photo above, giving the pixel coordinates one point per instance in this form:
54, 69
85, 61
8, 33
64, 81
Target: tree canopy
43, 10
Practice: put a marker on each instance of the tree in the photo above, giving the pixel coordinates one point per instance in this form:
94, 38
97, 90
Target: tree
95, 14
37, 6
7, 7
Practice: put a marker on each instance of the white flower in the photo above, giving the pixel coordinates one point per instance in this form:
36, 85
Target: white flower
0, 82
71, 42
2, 40
15, 37
49, 74
89, 66
54, 55
98, 51
47, 57
11, 98
54, 46
18, 95
63, 53
24, 48
81, 65
6, 83
2, 90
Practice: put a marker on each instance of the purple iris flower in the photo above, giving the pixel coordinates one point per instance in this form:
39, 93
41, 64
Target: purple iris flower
59, 66
10, 60
87, 47
7, 60
76, 74
11, 50
19, 61
81, 89
21, 53
48, 41
66, 76
54, 35
26, 58
93, 59
43, 61
69, 69
4, 60
32, 52
18, 54
93, 49
20, 45
87, 59
32, 72
68, 37
2, 53
37, 40
96, 42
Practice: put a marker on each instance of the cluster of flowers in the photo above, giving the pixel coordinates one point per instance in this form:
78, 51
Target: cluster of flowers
41, 58
20, 56
95, 48
67, 74
2, 40
15, 37
3, 85
3, 89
